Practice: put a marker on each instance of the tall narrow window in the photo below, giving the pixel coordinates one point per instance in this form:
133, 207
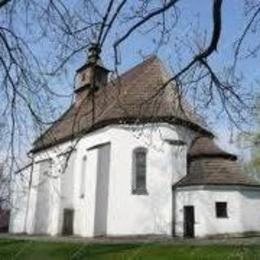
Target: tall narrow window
139, 171
83, 176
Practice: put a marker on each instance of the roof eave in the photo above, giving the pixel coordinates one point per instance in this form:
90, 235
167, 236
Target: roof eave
178, 185
127, 120
223, 155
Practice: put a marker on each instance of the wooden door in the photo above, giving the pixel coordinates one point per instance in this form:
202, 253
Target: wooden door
68, 215
188, 221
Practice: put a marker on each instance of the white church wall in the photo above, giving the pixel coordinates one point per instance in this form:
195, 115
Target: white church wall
85, 205
121, 202
131, 214
43, 200
19, 203
54, 183
127, 214
250, 217
24, 201
64, 188
30, 220
243, 209
102, 190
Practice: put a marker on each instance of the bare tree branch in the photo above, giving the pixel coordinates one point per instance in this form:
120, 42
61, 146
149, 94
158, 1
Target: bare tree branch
141, 22
4, 2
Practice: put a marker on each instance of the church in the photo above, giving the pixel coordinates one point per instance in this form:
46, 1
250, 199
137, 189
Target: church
127, 159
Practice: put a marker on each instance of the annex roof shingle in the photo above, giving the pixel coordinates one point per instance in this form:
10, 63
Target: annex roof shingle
204, 146
210, 165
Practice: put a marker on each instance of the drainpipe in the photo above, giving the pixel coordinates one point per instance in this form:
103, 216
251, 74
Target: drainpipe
173, 211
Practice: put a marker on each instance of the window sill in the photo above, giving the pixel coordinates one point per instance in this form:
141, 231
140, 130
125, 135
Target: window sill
139, 192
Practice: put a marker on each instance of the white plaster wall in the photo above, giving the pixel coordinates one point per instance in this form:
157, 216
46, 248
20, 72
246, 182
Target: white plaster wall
32, 199
85, 207
64, 188
127, 214
243, 209
43, 202
102, 190
19, 204
131, 214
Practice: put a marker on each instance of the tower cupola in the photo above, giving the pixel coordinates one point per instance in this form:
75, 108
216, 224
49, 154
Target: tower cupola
92, 75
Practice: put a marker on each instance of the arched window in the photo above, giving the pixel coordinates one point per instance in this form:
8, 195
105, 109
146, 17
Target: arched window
139, 171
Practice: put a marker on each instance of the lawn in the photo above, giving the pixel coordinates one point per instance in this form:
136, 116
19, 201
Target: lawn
37, 250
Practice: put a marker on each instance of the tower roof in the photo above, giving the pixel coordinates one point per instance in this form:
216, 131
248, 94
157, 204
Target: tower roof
93, 58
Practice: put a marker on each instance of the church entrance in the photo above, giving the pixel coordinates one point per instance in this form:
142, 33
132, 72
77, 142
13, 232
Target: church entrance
188, 227
68, 216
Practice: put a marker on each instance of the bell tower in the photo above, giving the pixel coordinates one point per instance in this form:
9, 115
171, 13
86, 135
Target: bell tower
92, 75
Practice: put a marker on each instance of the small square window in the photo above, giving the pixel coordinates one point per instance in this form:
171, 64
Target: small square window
221, 210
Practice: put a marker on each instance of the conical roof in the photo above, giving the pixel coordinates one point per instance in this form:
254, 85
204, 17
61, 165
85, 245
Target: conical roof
204, 146
210, 165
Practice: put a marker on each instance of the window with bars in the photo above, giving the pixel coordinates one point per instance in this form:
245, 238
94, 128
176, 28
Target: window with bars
139, 171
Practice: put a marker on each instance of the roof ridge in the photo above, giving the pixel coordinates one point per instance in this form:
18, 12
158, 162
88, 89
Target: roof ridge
144, 63
149, 58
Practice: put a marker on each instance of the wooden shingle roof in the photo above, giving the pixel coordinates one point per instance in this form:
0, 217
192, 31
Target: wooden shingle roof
133, 98
204, 146
210, 165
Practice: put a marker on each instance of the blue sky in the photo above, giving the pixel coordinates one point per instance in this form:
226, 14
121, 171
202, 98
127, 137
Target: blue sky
192, 13
195, 21
233, 24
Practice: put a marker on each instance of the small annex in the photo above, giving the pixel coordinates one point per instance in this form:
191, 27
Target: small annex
226, 199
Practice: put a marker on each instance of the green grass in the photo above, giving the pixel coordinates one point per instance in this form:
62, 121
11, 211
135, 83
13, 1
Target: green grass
37, 250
